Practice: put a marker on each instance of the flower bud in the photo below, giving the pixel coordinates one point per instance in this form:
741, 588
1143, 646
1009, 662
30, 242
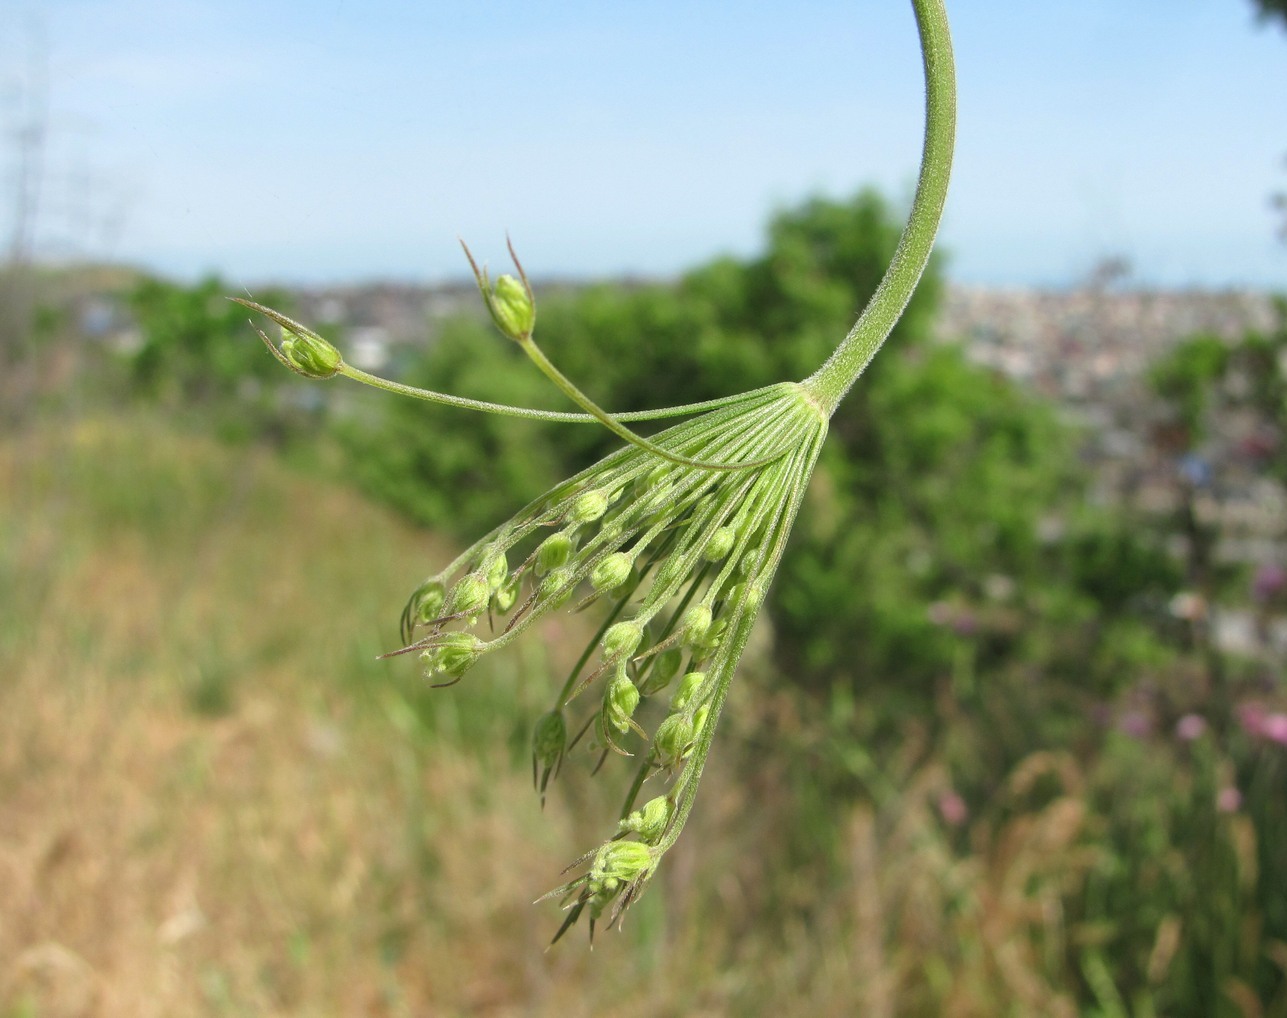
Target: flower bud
619, 703
427, 601
549, 743
673, 739
654, 478
556, 587
650, 820
468, 598
622, 640
309, 354
452, 655
695, 625
611, 572
511, 307
665, 666
688, 685
747, 594
553, 552
505, 597
699, 718
617, 863
496, 570
720, 544
588, 507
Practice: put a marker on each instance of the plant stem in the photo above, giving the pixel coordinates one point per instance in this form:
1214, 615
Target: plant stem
830, 382
613, 423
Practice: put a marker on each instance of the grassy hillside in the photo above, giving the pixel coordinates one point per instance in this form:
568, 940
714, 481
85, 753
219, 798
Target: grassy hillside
213, 799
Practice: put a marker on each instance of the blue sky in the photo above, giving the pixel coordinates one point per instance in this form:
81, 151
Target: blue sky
355, 139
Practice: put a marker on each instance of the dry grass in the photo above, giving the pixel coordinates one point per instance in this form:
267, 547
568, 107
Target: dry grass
202, 810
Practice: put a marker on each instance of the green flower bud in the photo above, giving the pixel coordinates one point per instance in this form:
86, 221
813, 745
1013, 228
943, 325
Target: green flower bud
720, 544
618, 863
619, 702
748, 595
556, 587
549, 738
673, 739
688, 685
468, 598
309, 354
654, 478
699, 507
665, 666
695, 625
750, 560
649, 821
622, 640
588, 507
549, 743
496, 570
452, 655
512, 308
611, 572
699, 718
505, 597
553, 552
427, 601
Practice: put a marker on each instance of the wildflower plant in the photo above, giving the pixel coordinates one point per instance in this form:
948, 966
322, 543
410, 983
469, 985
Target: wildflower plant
677, 537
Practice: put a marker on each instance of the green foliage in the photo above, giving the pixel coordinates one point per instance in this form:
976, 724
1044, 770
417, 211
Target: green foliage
196, 353
1185, 377
937, 478
722, 328
1270, 10
932, 492
450, 468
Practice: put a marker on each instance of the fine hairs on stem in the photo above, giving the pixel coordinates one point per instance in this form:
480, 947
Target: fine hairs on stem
677, 536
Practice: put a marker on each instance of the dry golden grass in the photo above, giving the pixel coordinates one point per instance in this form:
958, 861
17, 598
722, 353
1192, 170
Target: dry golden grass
197, 814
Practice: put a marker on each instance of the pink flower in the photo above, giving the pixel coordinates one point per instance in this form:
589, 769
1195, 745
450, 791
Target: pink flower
1252, 718
1274, 728
1228, 800
1136, 724
1190, 727
1260, 724
953, 808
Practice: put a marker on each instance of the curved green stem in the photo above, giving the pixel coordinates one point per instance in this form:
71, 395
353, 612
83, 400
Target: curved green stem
830, 382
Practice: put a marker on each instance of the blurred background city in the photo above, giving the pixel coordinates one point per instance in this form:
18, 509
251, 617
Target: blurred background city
1012, 737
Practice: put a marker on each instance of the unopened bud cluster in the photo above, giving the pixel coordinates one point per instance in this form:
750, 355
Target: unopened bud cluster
679, 558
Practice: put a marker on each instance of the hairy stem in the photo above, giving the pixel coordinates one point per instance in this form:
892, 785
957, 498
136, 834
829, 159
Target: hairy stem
830, 382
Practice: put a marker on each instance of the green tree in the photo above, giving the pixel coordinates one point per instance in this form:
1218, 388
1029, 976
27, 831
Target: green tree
196, 354
1270, 10
930, 497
